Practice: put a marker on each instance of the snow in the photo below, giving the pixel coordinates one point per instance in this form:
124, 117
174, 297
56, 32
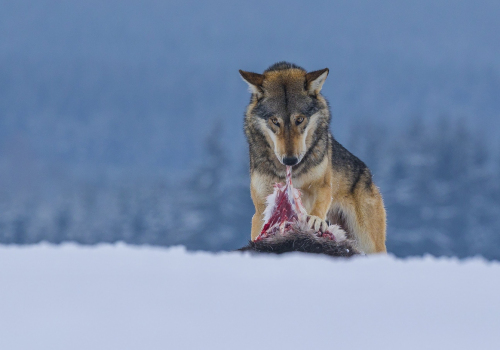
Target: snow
127, 297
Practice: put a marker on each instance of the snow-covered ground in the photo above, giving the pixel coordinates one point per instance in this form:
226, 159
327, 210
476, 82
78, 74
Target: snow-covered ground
122, 297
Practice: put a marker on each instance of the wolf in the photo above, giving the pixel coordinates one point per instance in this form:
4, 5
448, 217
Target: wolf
287, 123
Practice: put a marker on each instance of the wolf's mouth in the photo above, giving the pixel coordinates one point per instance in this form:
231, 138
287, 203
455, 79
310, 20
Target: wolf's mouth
285, 214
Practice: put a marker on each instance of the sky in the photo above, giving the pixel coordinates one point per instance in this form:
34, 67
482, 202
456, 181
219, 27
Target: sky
139, 85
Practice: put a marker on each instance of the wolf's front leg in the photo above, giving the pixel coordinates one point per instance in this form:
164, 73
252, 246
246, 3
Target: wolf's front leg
317, 217
258, 194
257, 224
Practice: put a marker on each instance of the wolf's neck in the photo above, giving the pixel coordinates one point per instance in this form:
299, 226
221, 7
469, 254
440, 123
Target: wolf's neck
315, 154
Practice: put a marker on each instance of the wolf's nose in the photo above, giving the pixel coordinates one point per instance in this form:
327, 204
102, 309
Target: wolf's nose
290, 160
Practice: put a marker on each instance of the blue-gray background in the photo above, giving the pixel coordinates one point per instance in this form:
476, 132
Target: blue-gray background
122, 120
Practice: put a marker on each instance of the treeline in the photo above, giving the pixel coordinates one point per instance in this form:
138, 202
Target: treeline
441, 187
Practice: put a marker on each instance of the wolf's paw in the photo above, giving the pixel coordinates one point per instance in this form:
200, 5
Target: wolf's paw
316, 223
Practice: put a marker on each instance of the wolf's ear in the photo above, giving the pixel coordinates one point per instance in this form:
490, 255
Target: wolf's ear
254, 82
315, 80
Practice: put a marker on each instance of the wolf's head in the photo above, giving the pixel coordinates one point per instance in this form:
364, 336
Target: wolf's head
287, 108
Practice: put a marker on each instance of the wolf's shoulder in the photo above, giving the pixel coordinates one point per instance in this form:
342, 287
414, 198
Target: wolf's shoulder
347, 162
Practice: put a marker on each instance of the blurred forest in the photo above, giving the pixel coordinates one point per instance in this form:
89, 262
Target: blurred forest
122, 119
441, 187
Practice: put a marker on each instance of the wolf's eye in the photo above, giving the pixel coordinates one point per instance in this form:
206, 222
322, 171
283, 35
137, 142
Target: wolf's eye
299, 120
275, 121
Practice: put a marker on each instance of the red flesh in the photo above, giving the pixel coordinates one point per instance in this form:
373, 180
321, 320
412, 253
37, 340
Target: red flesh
288, 210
